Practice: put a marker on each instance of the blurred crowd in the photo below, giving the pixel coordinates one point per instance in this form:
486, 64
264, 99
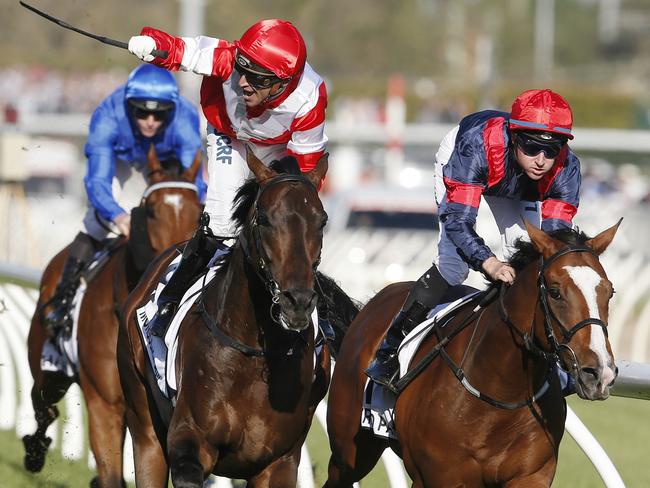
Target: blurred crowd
35, 89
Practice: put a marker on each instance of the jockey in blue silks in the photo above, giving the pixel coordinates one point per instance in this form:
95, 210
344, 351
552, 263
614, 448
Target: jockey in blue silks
146, 110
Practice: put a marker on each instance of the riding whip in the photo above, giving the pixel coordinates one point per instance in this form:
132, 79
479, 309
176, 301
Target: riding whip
106, 40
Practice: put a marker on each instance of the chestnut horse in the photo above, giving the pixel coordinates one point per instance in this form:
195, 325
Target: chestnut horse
172, 210
486, 408
248, 382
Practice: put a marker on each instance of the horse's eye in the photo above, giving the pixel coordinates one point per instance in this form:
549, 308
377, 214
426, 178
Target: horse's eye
611, 295
555, 293
263, 220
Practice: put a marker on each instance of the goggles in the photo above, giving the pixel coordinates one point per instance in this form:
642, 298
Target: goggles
532, 147
254, 74
142, 114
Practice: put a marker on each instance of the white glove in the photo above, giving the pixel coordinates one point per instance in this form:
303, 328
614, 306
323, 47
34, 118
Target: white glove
142, 47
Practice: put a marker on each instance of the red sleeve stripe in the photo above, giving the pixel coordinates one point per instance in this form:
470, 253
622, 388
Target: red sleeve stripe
463, 193
173, 45
494, 144
557, 209
315, 116
307, 162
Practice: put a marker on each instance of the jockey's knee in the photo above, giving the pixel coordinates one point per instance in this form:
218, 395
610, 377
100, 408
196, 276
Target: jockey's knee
83, 247
454, 275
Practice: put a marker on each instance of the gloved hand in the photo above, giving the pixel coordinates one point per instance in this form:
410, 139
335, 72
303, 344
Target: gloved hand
142, 47
123, 224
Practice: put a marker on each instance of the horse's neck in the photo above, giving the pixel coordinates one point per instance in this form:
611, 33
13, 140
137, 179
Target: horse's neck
236, 295
515, 367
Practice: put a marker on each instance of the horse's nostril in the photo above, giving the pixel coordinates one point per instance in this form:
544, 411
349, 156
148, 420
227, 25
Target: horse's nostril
300, 298
591, 371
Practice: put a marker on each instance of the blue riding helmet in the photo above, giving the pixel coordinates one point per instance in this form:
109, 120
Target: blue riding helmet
151, 88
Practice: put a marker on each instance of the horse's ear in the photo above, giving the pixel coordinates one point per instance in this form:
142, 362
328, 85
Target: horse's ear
258, 168
154, 166
602, 240
190, 173
317, 174
544, 243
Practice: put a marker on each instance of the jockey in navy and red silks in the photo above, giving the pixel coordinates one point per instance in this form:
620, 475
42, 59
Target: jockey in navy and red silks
257, 93
484, 162
258, 90
521, 165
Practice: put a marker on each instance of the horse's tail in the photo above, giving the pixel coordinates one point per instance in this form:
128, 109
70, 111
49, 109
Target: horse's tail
336, 308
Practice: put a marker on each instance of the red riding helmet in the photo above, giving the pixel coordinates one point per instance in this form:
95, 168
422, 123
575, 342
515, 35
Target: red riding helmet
541, 110
275, 45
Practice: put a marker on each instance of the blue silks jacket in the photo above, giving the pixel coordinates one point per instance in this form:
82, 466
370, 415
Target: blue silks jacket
113, 135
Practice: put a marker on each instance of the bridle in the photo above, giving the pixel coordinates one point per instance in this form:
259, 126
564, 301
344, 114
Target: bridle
167, 184
567, 333
261, 264
551, 357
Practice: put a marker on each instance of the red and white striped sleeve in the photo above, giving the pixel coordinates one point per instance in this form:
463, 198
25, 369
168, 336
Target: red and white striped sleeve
308, 139
203, 55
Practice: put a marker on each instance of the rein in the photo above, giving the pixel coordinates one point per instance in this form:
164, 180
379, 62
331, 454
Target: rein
551, 358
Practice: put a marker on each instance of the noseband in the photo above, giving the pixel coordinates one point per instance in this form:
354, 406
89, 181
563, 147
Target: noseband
261, 265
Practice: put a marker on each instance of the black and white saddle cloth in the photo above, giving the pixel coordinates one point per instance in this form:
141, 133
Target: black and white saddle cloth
378, 402
61, 354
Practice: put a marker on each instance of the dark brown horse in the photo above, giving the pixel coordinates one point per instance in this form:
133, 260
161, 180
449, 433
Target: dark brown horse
248, 383
172, 210
487, 407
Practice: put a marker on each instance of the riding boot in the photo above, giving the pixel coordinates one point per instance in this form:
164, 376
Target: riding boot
79, 253
196, 255
59, 318
425, 294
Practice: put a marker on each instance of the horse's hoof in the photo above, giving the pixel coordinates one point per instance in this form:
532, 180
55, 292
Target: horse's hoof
35, 450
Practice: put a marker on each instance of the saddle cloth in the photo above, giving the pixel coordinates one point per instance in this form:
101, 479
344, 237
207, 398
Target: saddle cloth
378, 402
61, 354
162, 351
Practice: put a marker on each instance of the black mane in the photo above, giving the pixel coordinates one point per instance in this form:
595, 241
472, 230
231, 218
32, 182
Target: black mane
526, 253
247, 193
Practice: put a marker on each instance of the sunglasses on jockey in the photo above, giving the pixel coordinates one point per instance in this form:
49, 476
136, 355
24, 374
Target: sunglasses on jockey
142, 109
256, 76
533, 144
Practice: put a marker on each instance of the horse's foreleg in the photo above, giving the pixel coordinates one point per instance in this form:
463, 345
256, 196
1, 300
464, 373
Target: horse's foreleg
353, 458
106, 424
45, 394
151, 468
191, 459
281, 473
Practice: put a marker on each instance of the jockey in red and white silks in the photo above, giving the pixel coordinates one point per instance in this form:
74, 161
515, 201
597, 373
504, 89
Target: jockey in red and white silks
478, 159
288, 121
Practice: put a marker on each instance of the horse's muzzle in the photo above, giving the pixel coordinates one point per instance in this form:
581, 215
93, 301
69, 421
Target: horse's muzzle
296, 306
594, 383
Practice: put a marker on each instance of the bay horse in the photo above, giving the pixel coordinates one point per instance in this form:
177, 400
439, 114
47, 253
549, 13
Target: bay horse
486, 408
171, 207
248, 381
